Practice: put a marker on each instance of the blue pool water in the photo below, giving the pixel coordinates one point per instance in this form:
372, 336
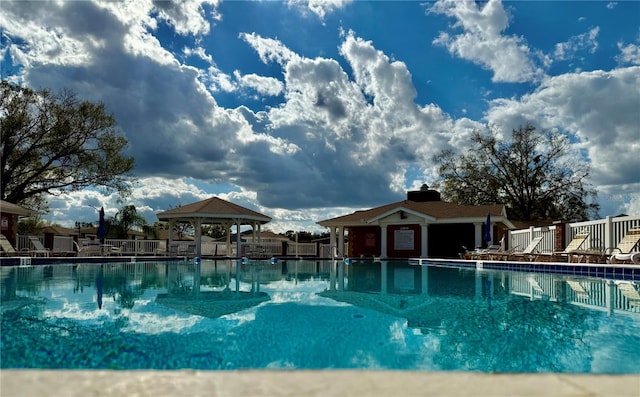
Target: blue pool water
310, 315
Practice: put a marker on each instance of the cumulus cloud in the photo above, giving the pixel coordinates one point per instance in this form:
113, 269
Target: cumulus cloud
187, 16
319, 7
629, 54
263, 85
328, 115
586, 41
482, 41
598, 109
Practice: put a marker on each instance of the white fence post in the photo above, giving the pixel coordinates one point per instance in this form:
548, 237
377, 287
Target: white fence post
608, 233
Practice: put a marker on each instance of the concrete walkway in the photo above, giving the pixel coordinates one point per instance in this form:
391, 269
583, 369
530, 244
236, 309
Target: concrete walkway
41, 383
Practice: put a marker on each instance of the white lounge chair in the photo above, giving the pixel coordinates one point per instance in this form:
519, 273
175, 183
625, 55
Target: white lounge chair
578, 289
570, 250
39, 249
622, 253
7, 248
629, 291
529, 252
88, 250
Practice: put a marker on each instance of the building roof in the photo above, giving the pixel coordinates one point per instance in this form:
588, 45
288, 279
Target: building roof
264, 235
59, 230
214, 210
430, 211
10, 208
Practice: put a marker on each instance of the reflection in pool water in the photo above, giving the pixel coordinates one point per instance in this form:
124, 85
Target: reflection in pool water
316, 315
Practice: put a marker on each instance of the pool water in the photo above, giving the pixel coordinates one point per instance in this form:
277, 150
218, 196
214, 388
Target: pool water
315, 315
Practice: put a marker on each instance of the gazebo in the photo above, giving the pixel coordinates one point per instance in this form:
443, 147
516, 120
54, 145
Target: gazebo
214, 211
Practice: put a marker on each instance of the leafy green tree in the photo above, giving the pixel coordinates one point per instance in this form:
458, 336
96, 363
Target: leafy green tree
52, 144
215, 231
528, 173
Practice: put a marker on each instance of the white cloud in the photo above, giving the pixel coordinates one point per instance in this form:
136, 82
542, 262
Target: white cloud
629, 54
482, 42
187, 16
263, 85
319, 7
586, 41
599, 109
269, 50
199, 52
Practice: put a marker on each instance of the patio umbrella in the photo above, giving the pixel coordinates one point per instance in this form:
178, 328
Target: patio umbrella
100, 287
102, 227
487, 229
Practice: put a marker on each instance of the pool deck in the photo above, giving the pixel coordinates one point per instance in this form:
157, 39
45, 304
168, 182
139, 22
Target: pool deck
37, 383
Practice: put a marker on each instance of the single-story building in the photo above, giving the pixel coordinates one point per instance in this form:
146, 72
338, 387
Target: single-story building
9, 216
421, 226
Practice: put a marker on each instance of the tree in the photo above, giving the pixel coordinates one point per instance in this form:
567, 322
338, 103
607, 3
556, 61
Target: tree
529, 174
52, 144
124, 219
214, 231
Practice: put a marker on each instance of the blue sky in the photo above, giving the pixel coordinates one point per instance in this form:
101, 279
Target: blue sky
306, 110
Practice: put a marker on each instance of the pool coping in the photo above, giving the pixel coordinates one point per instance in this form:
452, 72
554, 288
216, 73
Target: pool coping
274, 383
629, 272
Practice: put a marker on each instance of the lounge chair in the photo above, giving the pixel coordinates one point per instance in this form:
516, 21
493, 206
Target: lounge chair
529, 252
7, 248
629, 291
578, 289
483, 253
622, 253
88, 250
536, 289
570, 250
39, 249
112, 250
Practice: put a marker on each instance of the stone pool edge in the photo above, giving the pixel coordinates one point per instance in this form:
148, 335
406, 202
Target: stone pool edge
72, 383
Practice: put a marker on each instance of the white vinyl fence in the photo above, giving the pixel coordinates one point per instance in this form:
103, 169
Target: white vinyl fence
604, 234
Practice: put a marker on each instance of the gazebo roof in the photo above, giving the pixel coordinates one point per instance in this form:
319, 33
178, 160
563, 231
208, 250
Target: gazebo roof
214, 210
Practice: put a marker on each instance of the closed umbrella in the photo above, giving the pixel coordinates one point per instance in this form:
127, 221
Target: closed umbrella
102, 227
487, 229
100, 287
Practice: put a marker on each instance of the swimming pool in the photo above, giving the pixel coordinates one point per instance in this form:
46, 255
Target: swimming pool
316, 315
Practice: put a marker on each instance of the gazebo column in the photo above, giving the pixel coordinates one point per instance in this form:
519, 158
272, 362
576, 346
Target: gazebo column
238, 254
254, 235
332, 242
172, 223
198, 228
383, 241
341, 241
227, 227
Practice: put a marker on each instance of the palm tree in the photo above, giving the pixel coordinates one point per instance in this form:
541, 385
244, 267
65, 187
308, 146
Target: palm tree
124, 219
